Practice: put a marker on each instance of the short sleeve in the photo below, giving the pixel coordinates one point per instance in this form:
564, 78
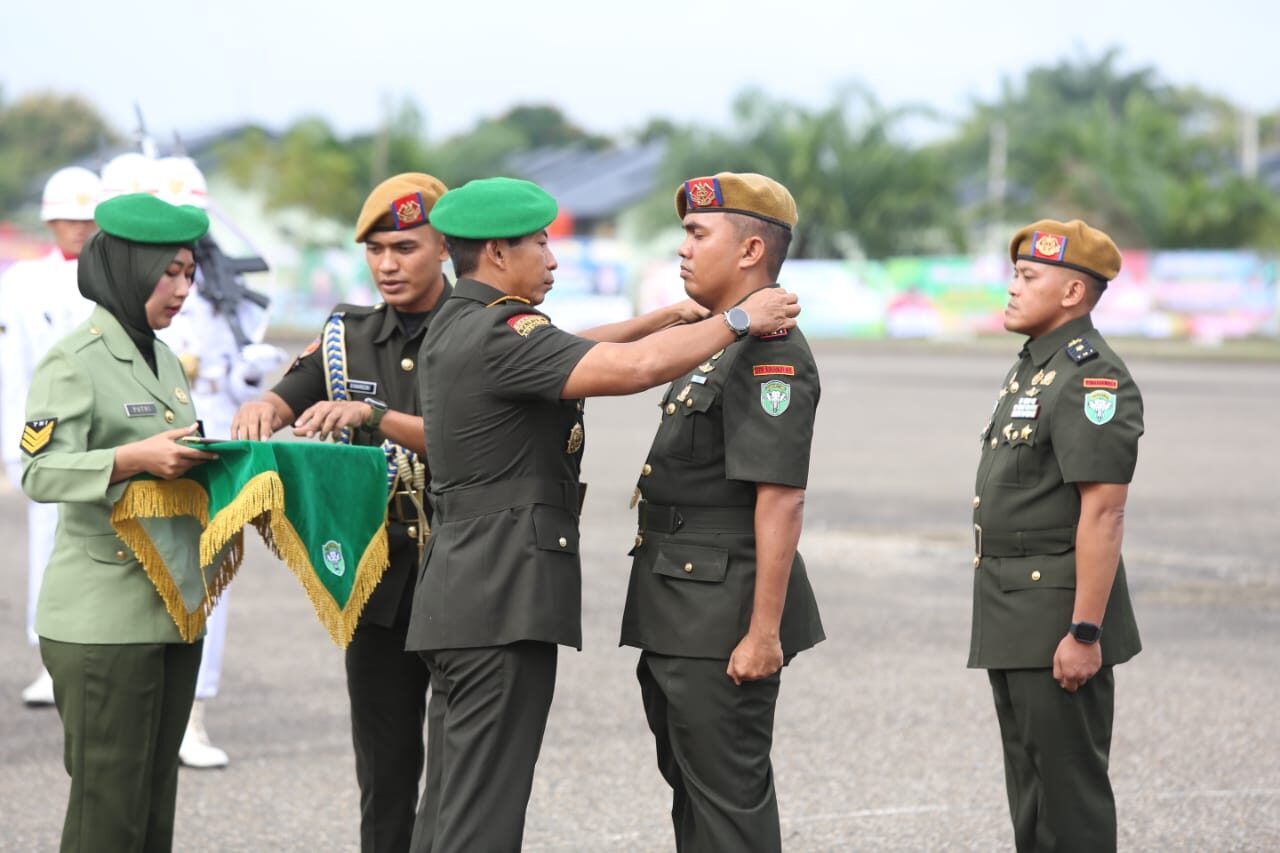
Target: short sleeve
1096, 424
303, 384
770, 402
528, 358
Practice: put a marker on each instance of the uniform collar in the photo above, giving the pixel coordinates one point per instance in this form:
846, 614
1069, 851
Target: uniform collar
478, 291
119, 344
1041, 349
391, 322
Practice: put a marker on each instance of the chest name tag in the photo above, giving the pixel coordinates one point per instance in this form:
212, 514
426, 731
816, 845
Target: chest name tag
698, 379
1026, 407
140, 410
362, 386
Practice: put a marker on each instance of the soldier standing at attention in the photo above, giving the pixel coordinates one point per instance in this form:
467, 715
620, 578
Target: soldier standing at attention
719, 600
501, 583
1048, 517
39, 305
357, 384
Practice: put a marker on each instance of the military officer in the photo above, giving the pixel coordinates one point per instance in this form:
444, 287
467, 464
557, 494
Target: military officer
719, 599
1051, 609
39, 305
501, 584
356, 383
108, 402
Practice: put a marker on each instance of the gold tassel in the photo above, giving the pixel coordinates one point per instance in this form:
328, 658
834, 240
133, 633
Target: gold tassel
263, 493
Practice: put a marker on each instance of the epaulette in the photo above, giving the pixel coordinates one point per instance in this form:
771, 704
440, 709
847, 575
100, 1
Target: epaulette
1080, 350
346, 309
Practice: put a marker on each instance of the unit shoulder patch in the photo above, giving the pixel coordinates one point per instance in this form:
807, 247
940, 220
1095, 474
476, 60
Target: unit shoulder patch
775, 397
525, 324
773, 370
1101, 382
1099, 407
1080, 350
36, 435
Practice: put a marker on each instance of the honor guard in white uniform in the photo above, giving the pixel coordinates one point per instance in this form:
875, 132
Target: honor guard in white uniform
39, 304
222, 375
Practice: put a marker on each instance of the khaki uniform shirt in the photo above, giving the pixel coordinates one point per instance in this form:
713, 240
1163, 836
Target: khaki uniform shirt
743, 417
502, 564
1068, 413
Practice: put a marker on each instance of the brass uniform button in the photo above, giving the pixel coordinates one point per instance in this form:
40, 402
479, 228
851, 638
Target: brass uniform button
406, 364
977, 501
168, 416
994, 441
646, 470
120, 554
1035, 576
639, 540
977, 561
564, 543
94, 330
688, 567
412, 531
671, 408
689, 402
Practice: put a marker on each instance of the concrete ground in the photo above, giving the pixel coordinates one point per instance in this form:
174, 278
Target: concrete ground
884, 740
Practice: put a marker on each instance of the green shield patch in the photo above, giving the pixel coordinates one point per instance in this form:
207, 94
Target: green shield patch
775, 397
333, 560
1100, 406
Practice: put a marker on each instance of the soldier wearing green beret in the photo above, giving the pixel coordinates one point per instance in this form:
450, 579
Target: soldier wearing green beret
357, 383
109, 402
719, 600
502, 393
1051, 609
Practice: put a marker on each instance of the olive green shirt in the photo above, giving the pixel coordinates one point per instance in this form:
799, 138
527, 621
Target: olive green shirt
1069, 412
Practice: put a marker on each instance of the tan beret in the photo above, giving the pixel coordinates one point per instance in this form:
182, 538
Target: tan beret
398, 203
1071, 244
731, 192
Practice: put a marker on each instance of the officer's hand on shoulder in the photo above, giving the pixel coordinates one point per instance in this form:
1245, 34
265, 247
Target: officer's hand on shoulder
771, 309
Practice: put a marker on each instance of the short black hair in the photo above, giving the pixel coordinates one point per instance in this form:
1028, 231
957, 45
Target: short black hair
465, 253
777, 240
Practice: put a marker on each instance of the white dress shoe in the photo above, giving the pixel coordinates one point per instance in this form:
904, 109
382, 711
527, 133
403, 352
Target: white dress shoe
39, 692
196, 750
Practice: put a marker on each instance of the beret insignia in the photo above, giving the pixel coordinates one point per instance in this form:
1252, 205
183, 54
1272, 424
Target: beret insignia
1050, 247
773, 370
704, 192
1080, 350
36, 435
407, 211
524, 324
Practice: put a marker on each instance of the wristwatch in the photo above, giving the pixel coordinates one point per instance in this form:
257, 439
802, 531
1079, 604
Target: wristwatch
738, 321
1085, 632
377, 409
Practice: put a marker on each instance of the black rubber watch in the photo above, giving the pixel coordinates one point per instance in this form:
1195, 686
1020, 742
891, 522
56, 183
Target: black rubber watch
738, 321
378, 409
1085, 632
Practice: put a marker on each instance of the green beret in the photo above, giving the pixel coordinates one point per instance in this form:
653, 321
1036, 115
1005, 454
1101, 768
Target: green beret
399, 203
746, 193
1071, 244
143, 218
494, 209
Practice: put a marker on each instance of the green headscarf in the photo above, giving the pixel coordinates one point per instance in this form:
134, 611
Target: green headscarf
120, 275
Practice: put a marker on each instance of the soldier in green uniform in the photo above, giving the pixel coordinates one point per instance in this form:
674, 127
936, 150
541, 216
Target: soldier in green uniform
1048, 518
719, 599
357, 383
501, 585
109, 402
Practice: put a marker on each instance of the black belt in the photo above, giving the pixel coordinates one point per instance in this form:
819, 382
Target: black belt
1022, 543
669, 519
459, 504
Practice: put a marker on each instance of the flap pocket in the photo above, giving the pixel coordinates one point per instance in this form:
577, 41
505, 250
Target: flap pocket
692, 562
107, 549
699, 400
1052, 571
554, 529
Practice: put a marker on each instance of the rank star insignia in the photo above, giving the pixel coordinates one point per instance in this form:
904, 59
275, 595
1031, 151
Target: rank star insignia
333, 560
36, 435
1007, 432
775, 397
406, 211
575, 439
1026, 433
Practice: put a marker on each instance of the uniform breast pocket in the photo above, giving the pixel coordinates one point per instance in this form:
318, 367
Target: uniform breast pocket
698, 424
1019, 461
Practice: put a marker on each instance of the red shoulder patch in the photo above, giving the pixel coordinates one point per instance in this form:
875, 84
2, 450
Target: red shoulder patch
781, 333
1101, 382
773, 370
311, 347
525, 324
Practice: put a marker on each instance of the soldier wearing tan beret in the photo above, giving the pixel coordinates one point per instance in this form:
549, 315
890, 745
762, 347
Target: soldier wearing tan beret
357, 383
1051, 609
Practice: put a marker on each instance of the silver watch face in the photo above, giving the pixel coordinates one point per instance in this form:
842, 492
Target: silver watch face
739, 320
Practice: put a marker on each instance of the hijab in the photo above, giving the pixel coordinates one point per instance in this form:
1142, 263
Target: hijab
120, 275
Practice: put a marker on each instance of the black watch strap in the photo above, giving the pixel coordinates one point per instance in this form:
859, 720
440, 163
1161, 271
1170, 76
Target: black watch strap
1085, 632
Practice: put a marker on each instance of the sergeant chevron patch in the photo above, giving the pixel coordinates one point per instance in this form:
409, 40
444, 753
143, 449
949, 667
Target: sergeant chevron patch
36, 435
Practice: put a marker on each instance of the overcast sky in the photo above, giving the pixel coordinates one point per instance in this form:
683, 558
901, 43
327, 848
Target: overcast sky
200, 66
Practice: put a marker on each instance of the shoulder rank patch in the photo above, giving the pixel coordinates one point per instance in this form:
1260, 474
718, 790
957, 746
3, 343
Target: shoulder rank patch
36, 435
1101, 382
781, 333
773, 370
525, 324
407, 211
1080, 350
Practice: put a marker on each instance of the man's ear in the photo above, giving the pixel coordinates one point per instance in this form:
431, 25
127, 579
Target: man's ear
1075, 292
752, 252
493, 251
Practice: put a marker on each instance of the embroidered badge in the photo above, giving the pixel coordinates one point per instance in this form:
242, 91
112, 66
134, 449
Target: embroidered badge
362, 386
1050, 247
781, 333
575, 439
407, 211
1049, 377
524, 324
333, 560
36, 435
1099, 406
773, 370
775, 397
140, 410
1026, 407
1101, 382
703, 192
1080, 350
